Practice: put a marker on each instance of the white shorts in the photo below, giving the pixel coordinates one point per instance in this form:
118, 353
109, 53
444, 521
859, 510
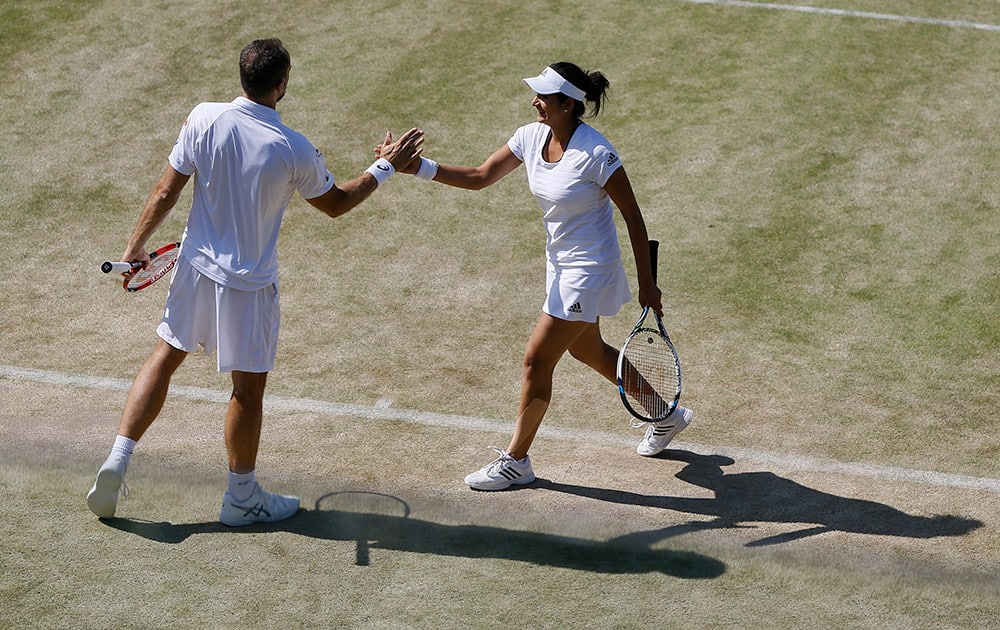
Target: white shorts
241, 325
585, 293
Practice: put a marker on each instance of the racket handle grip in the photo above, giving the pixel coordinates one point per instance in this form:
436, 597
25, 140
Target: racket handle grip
119, 267
654, 249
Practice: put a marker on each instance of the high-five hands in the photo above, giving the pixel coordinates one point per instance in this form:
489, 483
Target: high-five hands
404, 154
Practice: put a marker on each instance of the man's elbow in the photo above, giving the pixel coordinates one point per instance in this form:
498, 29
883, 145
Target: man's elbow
330, 203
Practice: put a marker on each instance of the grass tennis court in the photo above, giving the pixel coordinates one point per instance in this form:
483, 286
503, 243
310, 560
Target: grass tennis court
824, 187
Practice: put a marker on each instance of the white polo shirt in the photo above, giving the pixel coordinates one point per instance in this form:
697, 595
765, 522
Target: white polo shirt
577, 212
246, 166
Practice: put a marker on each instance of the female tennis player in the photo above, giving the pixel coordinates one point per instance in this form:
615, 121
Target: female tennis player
575, 175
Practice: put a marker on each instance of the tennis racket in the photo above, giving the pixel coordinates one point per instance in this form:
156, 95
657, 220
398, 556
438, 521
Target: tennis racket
649, 371
137, 276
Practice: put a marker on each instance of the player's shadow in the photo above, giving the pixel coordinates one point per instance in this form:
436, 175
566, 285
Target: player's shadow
765, 497
371, 532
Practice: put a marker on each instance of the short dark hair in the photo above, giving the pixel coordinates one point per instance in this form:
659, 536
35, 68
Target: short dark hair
264, 63
595, 84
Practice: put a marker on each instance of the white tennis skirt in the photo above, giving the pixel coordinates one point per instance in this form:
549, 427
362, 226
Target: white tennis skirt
242, 326
586, 293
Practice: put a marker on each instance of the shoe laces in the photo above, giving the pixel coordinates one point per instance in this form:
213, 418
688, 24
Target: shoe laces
635, 423
503, 457
123, 491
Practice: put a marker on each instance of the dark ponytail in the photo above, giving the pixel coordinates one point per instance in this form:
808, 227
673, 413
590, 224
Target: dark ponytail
595, 84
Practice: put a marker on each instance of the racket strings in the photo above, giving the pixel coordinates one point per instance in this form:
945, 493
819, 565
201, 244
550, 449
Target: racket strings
650, 374
157, 267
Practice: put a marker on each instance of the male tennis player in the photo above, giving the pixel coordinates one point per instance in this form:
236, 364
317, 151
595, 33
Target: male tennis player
245, 165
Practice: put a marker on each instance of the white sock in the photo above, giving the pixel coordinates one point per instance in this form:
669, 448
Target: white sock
241, 485
123, 448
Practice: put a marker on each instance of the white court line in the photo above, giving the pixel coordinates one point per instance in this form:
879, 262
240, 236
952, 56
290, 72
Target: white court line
382, 412
856, 14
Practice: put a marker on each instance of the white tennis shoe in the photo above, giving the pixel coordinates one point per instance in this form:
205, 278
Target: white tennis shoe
261, 507
103, 496
659, 434
501, 473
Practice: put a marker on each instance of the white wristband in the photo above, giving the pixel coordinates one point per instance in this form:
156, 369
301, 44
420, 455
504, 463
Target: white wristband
428, 169
381, 169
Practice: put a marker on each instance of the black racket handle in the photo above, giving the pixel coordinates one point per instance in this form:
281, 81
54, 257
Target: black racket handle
654, 247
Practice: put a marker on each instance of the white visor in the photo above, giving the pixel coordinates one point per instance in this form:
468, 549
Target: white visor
551, 82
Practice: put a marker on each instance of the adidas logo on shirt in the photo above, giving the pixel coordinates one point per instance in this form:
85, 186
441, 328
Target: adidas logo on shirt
576, 308
612, 158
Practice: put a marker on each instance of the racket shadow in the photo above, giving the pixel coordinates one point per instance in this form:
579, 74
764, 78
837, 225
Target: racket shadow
754, 497
373, 532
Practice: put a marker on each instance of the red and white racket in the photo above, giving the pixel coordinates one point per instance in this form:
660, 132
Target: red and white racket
137, 276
